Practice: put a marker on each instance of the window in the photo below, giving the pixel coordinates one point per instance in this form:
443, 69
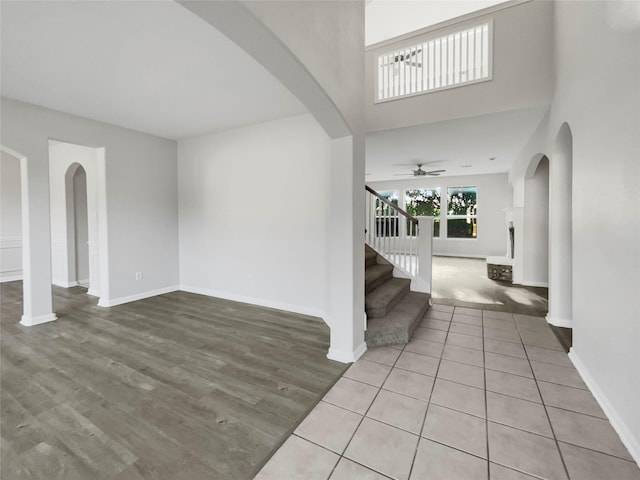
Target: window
425, 202
386, 217
462, 210
444, 60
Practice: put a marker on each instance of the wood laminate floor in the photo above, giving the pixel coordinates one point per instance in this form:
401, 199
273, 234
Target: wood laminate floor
178, 386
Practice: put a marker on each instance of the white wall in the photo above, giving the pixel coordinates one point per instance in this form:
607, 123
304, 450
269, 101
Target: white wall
597, 70
253, 213
522, 67
536, 228
141, 199
494, 194
389, 18
328, 38
10, 219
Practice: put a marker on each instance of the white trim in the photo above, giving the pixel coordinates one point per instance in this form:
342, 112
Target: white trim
11, 278
112, 302
619, 425
93, 292
313, 312
32, 321
528, 283
559, 322
64, 283
460, 255
347, 357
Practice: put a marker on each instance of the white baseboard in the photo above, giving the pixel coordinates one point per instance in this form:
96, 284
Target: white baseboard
347, 357
63, 283
559, 322
528, 283
459, 255
619, 425
288, 307
29, 321
93, 292
11, 278
112, 302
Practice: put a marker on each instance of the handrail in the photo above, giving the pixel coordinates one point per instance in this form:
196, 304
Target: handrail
395, 207
407, 245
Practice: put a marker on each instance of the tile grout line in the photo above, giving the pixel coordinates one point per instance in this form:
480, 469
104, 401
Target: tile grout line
553, 432
365, 414
424, 420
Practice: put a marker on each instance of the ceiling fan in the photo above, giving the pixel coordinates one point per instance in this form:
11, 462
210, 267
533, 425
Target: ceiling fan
406, 58
419, 172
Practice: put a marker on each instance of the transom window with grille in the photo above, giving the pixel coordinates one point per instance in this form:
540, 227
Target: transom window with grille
462, 212
462, 56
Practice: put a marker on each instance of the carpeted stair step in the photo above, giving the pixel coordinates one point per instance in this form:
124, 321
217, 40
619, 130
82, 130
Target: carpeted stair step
399, 324
380, 301
370, 257
376, 275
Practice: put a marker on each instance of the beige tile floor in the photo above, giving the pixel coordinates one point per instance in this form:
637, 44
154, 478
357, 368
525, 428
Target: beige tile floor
475, 395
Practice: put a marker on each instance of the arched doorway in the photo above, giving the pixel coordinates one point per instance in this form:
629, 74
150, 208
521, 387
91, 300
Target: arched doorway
77, 223
75, 215
560, 230
536, 223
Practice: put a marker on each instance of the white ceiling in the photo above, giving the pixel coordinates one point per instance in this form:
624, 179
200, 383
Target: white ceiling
151, 66
461, 147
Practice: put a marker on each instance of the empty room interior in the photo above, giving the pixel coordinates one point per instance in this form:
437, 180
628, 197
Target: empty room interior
351, 239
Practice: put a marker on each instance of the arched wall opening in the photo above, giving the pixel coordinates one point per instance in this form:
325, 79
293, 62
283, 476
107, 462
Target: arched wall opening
560, 230
535, 249
344, 266
77, 223
75, 215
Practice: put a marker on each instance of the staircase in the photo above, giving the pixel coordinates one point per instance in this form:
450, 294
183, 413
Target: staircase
393, 311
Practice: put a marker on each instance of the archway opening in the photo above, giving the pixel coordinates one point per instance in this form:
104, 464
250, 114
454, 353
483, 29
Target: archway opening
560, 230
75, 216
536, 224
77, 223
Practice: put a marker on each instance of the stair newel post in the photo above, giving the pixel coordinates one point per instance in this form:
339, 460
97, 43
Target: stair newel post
422, 283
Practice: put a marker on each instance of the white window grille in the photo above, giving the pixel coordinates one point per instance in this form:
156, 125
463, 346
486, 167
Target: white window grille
457, 58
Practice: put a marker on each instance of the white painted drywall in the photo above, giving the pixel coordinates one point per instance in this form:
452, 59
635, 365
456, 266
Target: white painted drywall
10, 219
386, 19
536, 227
253, 213
494, 195
141, 199
522, 74
328, 38
597, 73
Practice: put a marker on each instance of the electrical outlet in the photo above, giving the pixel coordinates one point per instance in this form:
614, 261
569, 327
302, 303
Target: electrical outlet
138, 275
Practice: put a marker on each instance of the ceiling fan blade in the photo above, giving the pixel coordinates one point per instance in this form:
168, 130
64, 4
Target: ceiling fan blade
435, 172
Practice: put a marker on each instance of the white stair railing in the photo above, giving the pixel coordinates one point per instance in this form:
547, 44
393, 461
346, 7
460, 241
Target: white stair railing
402, 239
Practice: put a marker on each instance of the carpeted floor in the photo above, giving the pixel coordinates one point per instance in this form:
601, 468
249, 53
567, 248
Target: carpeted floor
463, 282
